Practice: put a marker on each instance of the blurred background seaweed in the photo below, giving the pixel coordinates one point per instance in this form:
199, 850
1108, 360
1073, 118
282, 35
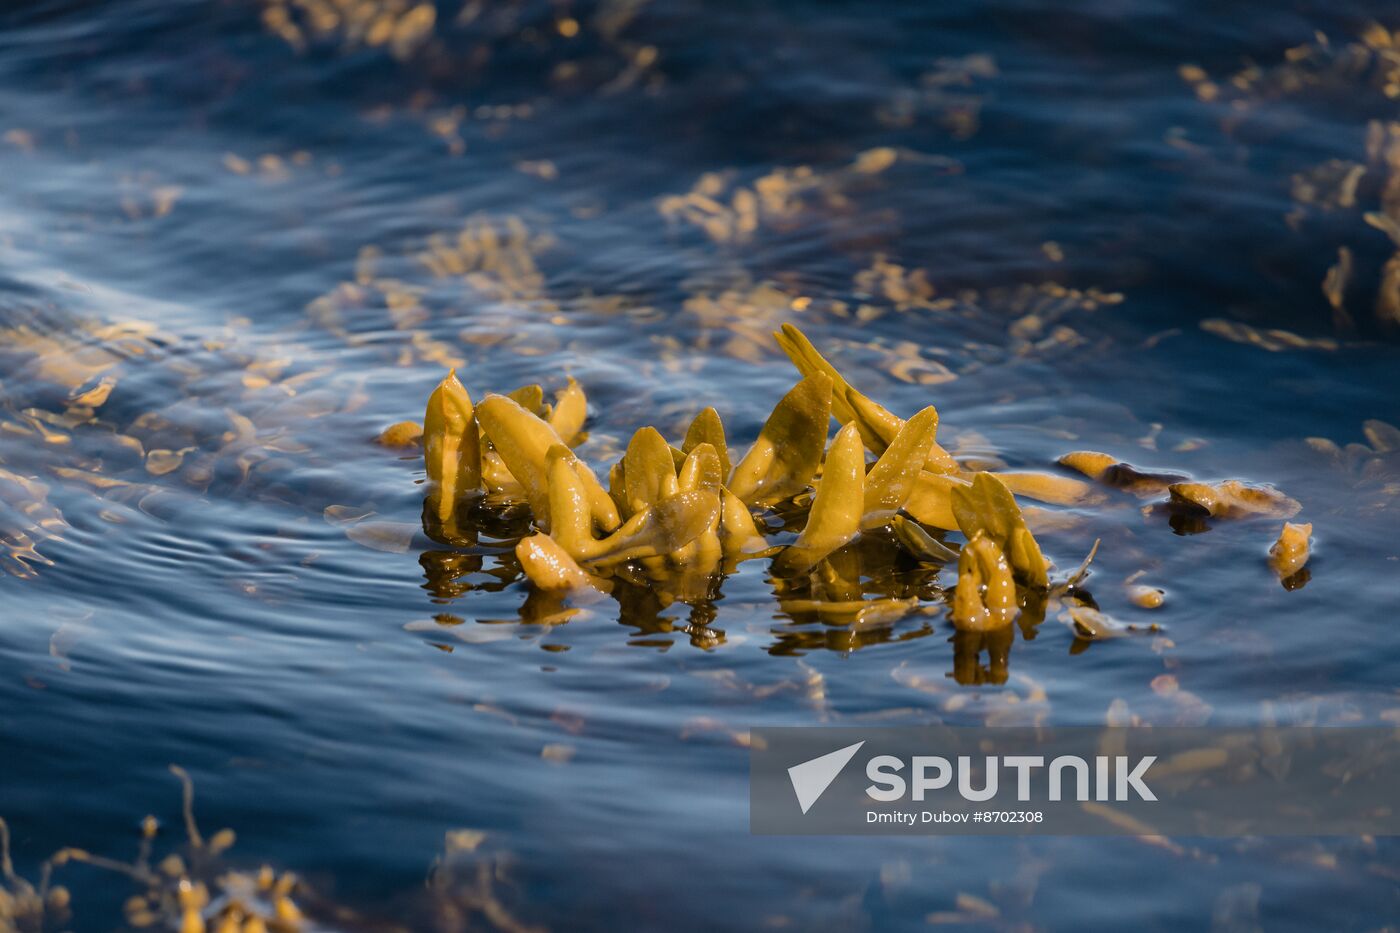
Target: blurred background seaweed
239, 238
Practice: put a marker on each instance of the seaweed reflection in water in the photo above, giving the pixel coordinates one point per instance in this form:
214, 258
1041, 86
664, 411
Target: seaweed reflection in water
869, 593
865, 594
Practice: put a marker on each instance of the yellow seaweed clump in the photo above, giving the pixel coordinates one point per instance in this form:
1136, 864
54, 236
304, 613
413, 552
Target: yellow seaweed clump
401, 26
679, 515
670, 518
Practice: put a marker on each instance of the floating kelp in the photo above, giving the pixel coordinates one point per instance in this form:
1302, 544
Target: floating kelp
1045, 487
470, 886
1189, 503
1273, 339
1146, 597
403, 434
734, 319
1107, 470
1367, 61
1091, 624
789, 448
837, 504
1233, 499
1290, 552
953, 90
81, 358
1384, 438
676, 516
732, 213
878, 427
450, 449
920, 543
110, 420
197, 887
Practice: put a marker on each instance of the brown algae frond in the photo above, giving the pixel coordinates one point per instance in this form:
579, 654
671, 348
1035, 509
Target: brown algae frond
1146, 597
891, 481
682, 512
450, 446
1110, 472
789, 447
1234, 499
708, 429
878, 427
985, 597
549, 566
988, 508
834, 518
1290, 552
403, 434
523, 440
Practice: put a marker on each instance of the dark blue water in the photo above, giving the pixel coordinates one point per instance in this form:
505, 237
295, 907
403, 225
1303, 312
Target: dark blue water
268, 238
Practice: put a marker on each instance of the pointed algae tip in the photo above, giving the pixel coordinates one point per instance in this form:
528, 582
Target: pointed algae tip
794, 334
450, 446
451, 390
453, 384
791, 339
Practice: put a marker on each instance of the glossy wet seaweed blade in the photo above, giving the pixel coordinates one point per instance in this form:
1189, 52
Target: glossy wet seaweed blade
901, 364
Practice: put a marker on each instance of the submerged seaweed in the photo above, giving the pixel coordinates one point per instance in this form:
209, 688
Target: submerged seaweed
1358, 197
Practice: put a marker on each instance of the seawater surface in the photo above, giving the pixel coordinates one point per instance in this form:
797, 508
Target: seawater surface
239, 238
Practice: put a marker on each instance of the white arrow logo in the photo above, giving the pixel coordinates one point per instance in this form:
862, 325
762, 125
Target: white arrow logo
811, 778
